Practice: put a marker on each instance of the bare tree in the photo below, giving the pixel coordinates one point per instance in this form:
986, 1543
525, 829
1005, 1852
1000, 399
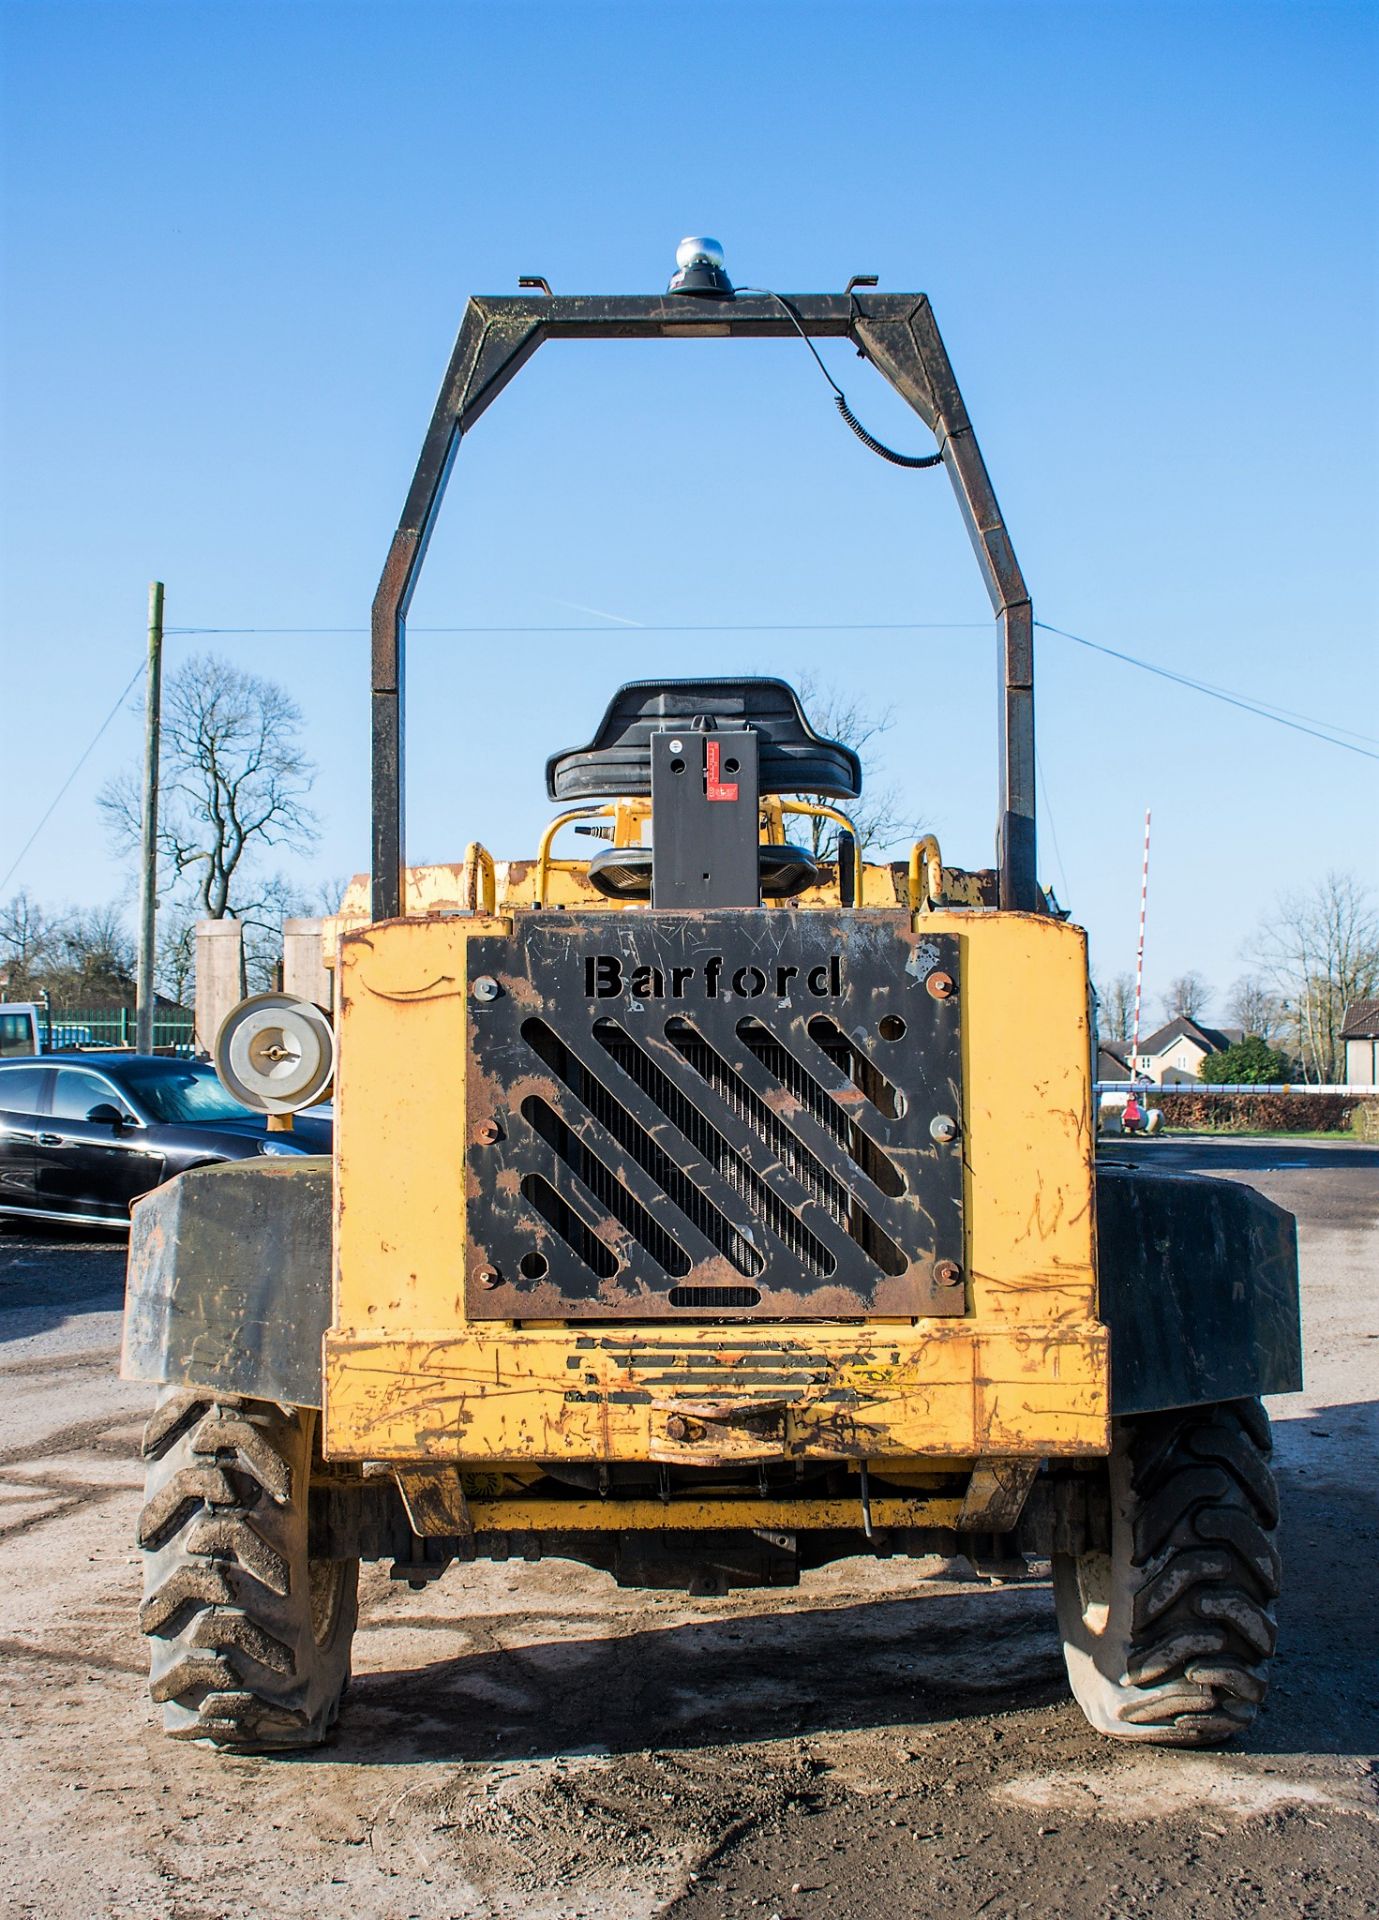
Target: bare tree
1116, 1008
276, 899
881, 817
30, 942
175, 962
77, 954
97, 954
325, 896
1188, 998
1255, 1008
234, 781
1321, 950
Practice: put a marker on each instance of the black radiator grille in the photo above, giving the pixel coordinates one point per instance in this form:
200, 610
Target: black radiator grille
634, 1139
781, 1141
604, 1184
557, 1212
678, 1106
682, 1112
721, 1115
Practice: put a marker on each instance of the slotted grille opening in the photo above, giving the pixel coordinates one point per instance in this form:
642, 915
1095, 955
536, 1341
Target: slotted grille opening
707, 1298
707, 1141
669, 1139
637, 1143
784, 1145
729, 1085
606, 1188
860, 1068
558, 1214
796, 1078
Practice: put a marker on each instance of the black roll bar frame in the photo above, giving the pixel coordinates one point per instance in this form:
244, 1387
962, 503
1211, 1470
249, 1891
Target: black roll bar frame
896, 332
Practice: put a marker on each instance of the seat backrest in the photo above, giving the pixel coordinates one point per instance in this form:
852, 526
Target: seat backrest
792, 758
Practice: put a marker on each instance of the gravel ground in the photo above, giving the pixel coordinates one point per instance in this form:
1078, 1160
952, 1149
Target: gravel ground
531, 1742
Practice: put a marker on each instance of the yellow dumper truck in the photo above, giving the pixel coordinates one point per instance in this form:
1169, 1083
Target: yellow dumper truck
702, 1209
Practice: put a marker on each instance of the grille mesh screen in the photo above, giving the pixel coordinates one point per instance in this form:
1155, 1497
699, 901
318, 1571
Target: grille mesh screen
730, 1114
633, 1138
774, 1136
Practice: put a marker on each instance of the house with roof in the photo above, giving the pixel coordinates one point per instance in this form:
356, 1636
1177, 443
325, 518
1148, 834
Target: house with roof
1173, 1056
1112, 1062
1360, 1033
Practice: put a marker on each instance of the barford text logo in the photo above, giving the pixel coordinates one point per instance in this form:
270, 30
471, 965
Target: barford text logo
606, 976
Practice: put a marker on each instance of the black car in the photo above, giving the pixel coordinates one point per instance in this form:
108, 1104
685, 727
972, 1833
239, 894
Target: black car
82, 1136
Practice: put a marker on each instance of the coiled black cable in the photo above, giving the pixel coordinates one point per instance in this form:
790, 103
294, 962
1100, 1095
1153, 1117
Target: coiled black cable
868, 440
879, 446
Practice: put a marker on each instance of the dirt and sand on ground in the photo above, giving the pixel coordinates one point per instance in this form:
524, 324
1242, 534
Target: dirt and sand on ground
529, 1741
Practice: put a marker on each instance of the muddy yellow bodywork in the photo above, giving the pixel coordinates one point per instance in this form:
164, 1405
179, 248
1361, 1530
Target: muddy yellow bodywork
1022, 1373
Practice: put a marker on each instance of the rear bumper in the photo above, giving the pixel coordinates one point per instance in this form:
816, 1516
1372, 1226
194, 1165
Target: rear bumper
718, 1395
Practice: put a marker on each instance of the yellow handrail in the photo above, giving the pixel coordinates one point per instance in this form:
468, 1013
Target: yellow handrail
543, 851
925, 854
840, 819
771, 820
478, 864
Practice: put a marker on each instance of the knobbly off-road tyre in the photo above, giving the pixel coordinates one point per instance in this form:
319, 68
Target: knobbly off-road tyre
249, 1637
1168, 1635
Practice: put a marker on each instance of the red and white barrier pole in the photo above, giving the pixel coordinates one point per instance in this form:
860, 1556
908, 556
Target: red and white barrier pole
1139, 955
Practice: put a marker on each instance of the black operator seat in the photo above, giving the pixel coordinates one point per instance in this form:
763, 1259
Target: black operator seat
792, 758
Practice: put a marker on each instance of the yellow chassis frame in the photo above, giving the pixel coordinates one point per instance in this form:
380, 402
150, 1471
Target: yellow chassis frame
1023, 1375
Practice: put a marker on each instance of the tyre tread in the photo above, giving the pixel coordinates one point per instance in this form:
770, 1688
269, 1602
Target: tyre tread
224, 1530
1198, 1574
1208, 1571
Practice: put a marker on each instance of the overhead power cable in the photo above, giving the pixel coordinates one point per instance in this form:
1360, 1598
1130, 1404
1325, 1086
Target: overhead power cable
719, 626
1328, 731
15, 864
1262, 710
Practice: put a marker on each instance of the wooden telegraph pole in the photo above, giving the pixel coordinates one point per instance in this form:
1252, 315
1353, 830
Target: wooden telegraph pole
148, 872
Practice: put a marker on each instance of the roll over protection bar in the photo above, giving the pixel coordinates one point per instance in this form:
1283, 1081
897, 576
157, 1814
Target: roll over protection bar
896, 332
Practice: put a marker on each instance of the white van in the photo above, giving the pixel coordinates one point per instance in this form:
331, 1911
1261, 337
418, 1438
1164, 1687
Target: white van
19, 1028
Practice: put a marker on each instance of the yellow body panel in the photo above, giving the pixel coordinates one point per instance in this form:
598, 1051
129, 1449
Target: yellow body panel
936, 1388
458, 887
1024, 1373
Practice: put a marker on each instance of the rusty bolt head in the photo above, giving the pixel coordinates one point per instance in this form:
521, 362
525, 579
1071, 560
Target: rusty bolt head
488, 1133
678, 1427
487, 1276
941, 985
943, 1128
948, 1273
485, 987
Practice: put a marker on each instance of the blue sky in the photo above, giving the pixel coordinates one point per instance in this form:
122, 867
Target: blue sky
237, 243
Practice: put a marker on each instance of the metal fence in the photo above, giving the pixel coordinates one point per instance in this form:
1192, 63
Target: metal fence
66, 1027
1147, 1087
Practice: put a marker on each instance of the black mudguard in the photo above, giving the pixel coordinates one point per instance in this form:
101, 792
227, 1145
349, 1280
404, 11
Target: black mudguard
228, 1282
229, 1285
1199, 1287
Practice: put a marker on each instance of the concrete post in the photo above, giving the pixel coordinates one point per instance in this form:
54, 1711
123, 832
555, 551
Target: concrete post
305, 974
219, 976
